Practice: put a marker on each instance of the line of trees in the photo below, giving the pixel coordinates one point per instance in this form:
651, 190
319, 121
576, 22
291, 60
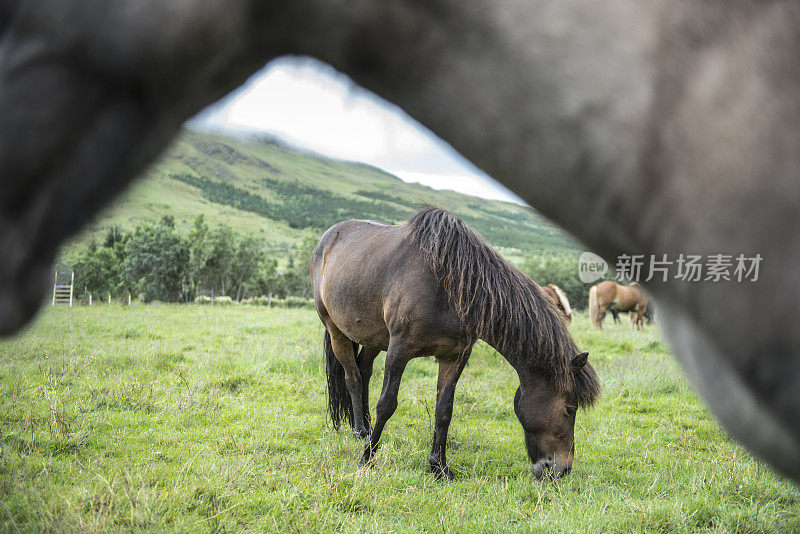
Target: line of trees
155, 262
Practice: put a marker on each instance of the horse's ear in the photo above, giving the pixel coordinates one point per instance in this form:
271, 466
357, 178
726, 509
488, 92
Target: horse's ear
579, 360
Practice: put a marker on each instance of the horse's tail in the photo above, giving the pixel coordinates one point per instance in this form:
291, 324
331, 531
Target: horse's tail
594, 307
339, 404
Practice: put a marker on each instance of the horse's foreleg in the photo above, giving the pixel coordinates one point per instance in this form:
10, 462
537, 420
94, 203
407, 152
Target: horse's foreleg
636, 320
449, 373
396, 359
365, 361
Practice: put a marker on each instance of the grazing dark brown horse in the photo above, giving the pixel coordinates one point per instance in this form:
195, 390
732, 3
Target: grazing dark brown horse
433, 287
560, 299
606, 294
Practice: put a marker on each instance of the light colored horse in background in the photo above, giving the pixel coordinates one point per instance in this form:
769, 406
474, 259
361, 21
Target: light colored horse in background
560, 299
630, 299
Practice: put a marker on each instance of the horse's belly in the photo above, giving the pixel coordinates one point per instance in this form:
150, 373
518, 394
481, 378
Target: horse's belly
359, 318
367, 333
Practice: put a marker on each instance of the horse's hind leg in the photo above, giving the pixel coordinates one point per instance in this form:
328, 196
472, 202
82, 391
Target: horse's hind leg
365, 361
343, 350
601, 314
449, 373
397, 358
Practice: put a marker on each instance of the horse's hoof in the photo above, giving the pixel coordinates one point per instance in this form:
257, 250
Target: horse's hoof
442, 473
366, 462
362, 433
369, 455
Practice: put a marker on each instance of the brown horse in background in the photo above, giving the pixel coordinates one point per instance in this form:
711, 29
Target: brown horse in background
433, 287
560, 299
630, 298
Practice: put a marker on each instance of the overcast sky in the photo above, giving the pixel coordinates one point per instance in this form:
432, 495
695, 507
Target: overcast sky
310, 105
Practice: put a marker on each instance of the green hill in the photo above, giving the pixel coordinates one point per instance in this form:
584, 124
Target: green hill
280, 195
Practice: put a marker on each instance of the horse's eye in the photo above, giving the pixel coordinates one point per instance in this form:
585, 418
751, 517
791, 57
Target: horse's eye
570, 410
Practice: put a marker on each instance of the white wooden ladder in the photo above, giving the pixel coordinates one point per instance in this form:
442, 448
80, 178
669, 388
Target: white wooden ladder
62, 294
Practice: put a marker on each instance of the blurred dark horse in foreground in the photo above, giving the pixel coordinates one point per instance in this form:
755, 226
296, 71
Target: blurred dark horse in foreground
433, 287
607, 294
559, 298
642, 127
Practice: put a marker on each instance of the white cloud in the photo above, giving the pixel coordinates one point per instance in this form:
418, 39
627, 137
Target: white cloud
311, 105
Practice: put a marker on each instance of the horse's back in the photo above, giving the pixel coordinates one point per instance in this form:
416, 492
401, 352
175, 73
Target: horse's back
370, 280
349, 269
355, 249
606, 291
630, 298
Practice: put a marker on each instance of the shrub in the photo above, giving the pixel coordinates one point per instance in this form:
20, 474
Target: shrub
256, 301
217, 301
288, 302
296, 302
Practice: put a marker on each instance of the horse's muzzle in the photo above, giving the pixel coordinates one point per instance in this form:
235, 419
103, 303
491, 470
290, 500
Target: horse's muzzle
549, 469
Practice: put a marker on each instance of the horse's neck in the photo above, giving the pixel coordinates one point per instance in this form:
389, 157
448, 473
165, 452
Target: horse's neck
519, 362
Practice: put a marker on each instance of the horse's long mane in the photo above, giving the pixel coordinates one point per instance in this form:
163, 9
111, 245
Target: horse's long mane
499, 304
563, 299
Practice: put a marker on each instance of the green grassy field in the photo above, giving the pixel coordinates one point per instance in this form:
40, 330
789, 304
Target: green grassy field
188, 418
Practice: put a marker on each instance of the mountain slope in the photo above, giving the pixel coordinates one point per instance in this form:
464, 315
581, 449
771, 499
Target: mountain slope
281, 195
